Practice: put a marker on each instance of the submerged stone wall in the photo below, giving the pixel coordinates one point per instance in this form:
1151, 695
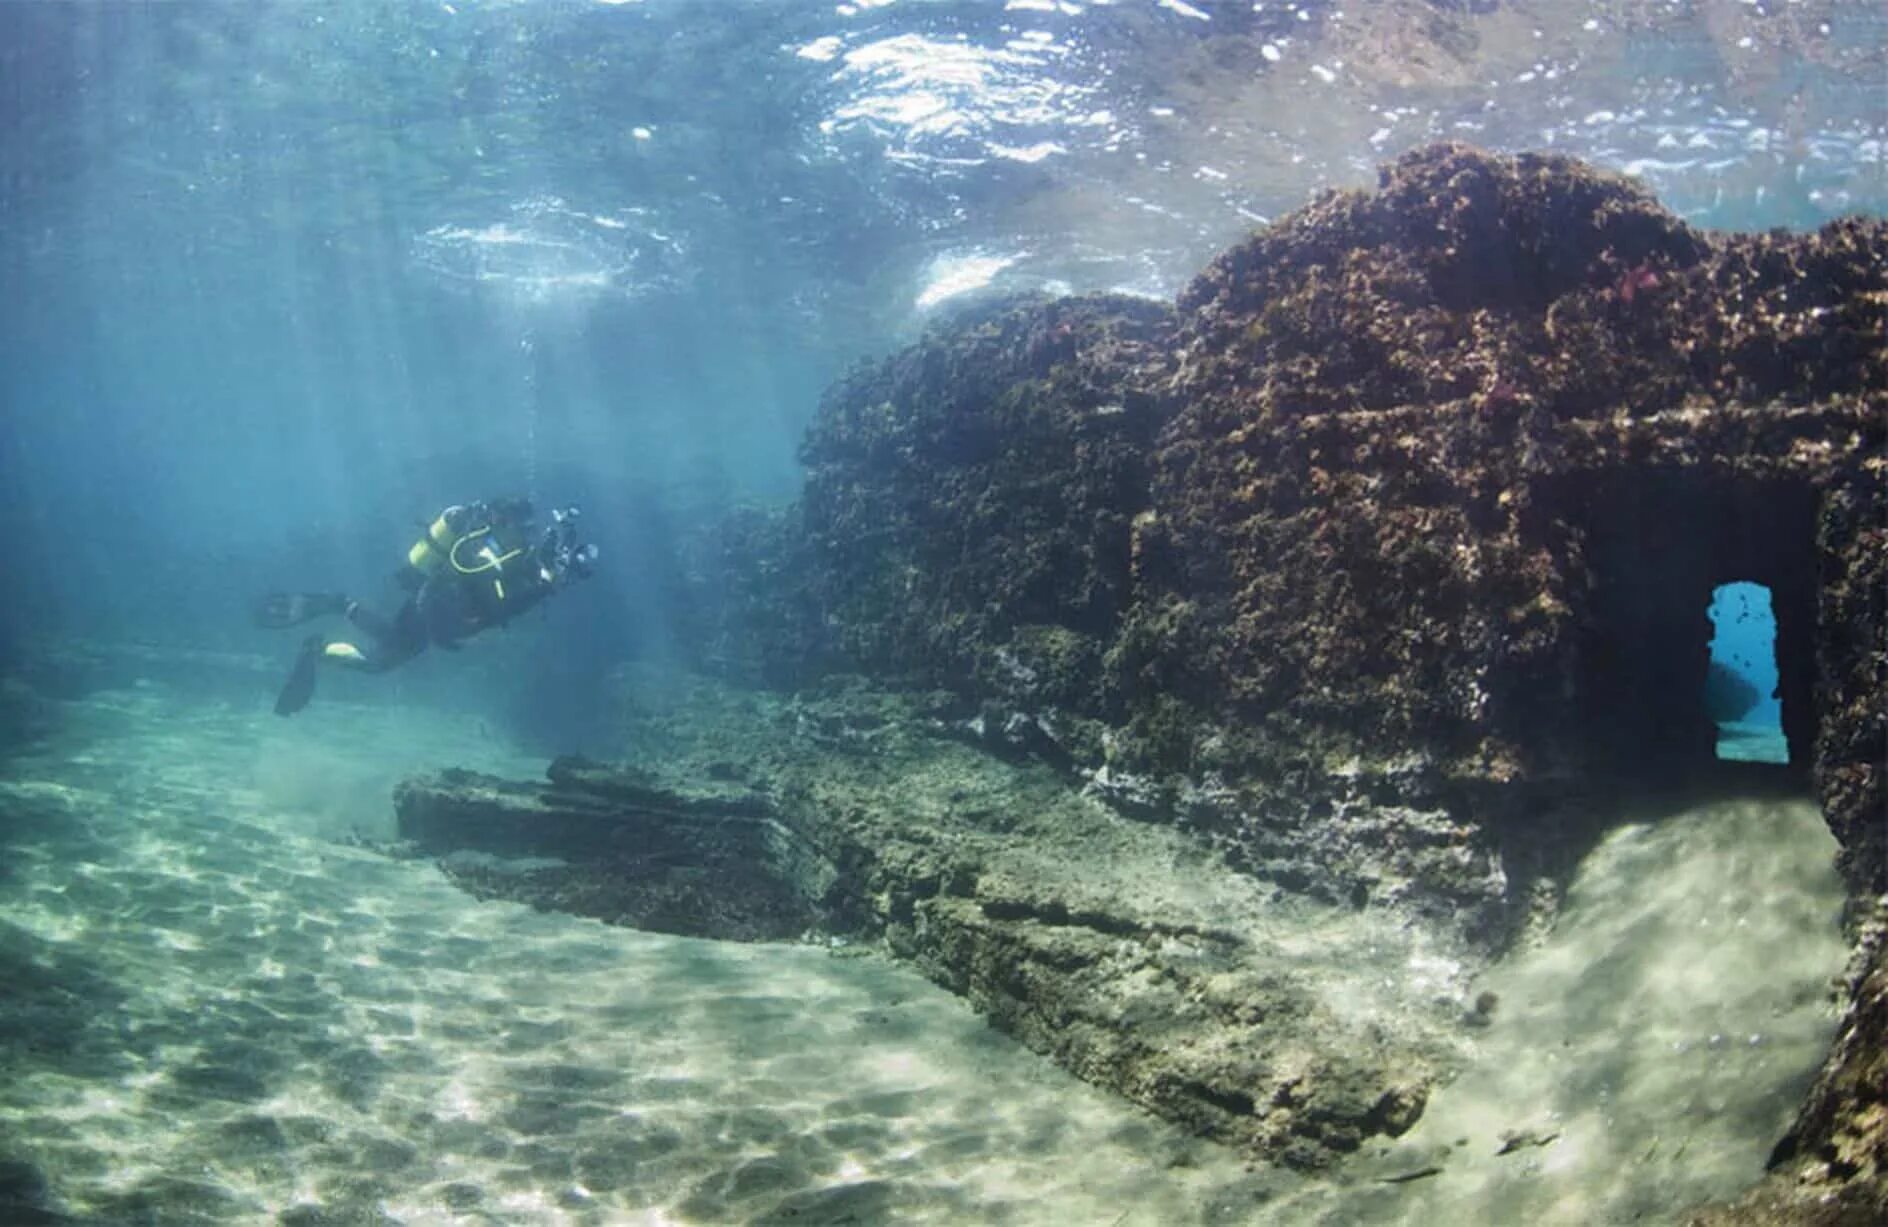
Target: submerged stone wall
1393, 543
1458, 463
1375, 562
1113, 947
968, 502
1386, 554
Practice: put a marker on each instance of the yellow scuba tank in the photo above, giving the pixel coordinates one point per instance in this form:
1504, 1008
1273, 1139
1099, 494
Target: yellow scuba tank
430, 552
480, 550
467, 541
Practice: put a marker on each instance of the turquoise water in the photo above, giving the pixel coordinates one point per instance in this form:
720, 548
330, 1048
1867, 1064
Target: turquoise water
284, 279
1744, 641
1744, 638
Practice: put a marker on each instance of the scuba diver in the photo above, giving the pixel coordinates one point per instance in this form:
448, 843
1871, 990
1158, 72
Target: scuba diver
478, 566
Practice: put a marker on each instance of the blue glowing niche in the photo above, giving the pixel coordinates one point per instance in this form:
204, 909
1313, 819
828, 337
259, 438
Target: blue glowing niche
1741, 692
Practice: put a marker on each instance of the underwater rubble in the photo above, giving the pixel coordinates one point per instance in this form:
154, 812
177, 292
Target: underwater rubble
1377, 563
849, 817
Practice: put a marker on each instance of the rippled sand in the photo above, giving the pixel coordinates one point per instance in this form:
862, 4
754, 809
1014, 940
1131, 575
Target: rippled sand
216, 1012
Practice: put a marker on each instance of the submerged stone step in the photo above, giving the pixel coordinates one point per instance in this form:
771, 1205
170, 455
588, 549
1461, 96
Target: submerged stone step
593, 843
1192, 1015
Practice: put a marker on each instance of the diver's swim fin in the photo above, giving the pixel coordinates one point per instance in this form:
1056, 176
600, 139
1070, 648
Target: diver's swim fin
280, 609
300, 686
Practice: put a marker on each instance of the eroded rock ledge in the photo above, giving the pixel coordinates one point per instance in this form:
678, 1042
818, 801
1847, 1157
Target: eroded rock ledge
1376, 564
1382, 556
1121, 950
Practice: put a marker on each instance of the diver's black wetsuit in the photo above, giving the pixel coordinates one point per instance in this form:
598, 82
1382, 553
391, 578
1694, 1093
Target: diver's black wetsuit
443, 612
396, 640
479, 566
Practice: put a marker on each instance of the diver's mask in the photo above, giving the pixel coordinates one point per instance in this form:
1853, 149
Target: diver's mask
560, 557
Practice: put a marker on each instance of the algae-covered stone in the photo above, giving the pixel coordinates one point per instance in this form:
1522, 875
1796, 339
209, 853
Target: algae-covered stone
1122, 949
1376, 489
1377, 565
969, 502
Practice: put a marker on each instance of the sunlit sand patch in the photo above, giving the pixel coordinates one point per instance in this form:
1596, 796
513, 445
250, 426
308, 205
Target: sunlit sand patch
302, 1024
1646, 1056
178, 940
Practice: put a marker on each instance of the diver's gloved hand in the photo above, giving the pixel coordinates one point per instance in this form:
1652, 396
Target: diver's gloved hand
560, 557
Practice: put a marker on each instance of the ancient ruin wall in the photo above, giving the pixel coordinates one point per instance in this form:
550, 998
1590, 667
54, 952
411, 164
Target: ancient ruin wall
973, 495
1418, 501
1386, 554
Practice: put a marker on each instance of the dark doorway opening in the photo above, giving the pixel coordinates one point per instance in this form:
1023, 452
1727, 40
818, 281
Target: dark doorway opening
1658, 543
1741, 688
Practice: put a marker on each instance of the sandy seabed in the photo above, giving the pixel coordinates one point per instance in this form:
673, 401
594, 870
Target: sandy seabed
217, 1011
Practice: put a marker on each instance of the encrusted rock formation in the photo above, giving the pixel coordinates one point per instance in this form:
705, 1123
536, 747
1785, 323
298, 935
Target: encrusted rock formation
1380, 561
1440, 480
605, 843
1114, 946
975, 494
